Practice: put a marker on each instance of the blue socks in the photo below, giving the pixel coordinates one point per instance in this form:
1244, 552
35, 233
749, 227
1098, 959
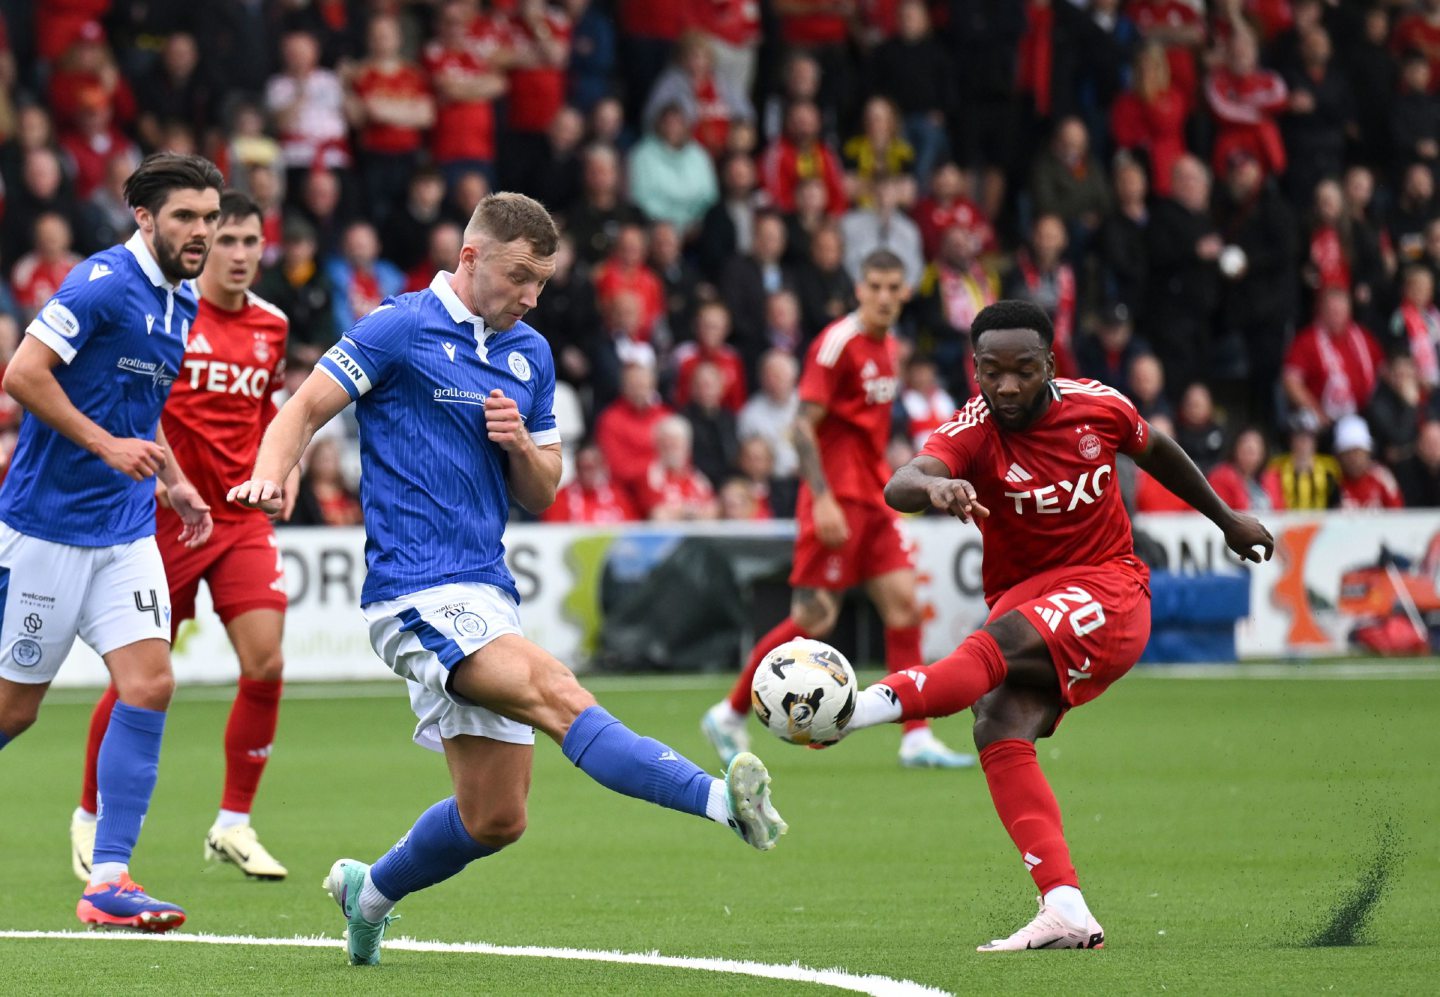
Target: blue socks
619, 759
4, 739
129, 762
436, 848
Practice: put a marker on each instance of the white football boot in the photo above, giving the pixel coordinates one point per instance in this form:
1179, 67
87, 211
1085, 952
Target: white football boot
1050, 930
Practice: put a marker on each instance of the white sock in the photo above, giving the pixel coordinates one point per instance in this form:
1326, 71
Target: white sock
374, 905
875, 705
107, 872
1069, 902
716, 808
725, 712
915, 739
84, 816
229, 819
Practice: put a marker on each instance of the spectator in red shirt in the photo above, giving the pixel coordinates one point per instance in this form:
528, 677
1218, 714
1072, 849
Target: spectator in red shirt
38, 274
389, 103
948, 206
798, 155
712, 329
1331, 368
672, 489
624, 270
1419, 31
1179, 26
625, 429
590, 498
740, 499
92, 140
442, 251
1150, 116
540, 48
87, 64
1244, 98
465, 85
1363, 483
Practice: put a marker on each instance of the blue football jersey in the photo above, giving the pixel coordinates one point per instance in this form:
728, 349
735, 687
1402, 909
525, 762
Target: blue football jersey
432, 485
120, 327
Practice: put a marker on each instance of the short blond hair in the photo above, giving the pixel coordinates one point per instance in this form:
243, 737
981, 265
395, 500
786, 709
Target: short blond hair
508, 216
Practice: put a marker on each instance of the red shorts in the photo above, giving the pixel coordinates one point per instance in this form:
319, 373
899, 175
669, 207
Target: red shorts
877, 546
240, 564
1095, 620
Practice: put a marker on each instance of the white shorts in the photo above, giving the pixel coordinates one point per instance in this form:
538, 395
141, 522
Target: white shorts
53, 592
423, 635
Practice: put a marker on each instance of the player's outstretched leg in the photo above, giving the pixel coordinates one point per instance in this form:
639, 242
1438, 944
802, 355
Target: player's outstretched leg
919, 747
952, 684
82, 821
619, 759
724, 723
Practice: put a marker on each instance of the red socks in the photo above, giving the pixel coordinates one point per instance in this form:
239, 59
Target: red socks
99, 724
1027, 808
902, 650
248, 737
951, 684
740, 693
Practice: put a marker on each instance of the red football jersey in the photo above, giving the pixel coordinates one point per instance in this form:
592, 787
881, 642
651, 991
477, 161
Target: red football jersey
852, 375
405, 82
1051, 489
224, 397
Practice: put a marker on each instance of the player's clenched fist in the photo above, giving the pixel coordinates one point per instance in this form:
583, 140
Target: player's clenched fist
137, 459
1244, 534
957, 497
502, 421
264, 495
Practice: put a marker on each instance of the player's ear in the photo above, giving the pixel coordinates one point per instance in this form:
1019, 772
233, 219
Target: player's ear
1050, 366
144, 219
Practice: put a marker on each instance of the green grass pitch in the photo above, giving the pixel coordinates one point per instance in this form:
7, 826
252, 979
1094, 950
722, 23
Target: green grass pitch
1219, 825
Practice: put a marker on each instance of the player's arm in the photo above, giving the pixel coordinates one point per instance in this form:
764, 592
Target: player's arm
1163, 459
925, 483
30, 380
318, 401
181, 495
830, 525
534, 469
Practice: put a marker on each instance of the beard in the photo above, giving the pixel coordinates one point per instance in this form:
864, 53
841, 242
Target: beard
172, 264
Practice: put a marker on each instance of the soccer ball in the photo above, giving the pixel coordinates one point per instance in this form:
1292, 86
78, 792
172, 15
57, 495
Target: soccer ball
804, 692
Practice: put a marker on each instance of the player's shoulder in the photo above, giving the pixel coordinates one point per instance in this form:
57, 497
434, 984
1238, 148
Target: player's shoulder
833, 340
1088, 392
267, 312
971, 421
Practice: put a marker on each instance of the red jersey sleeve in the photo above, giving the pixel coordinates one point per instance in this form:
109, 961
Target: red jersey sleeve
819, 380
956, 442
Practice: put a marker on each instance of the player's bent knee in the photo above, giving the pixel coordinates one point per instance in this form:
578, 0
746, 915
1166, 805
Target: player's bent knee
149, 692
494, 828
269, 668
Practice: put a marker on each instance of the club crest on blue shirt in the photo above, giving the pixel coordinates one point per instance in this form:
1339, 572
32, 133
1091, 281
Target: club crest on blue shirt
519, 366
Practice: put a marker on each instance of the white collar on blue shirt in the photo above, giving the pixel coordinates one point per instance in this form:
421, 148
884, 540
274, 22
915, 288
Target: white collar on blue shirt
458, 312
146, 259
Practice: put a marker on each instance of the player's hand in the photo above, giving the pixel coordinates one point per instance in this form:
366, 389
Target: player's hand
194, 513
136, 459
1244, 533
956, 497
260, 494
830, 525
503, 423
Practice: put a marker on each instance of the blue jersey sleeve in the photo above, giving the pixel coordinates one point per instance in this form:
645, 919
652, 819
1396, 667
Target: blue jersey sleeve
78, 310
540, 420
370, 351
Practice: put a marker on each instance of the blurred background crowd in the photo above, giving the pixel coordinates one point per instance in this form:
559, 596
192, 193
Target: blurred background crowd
1229, 209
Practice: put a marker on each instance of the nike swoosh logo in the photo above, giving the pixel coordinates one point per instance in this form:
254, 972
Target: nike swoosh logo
1028, 945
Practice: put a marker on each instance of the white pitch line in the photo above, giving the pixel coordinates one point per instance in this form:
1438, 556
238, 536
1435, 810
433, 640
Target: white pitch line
878, 986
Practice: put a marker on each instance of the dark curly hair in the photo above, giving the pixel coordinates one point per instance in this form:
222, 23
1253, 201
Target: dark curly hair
1012, 314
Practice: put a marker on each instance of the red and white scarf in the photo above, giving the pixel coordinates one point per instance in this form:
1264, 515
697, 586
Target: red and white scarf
1422, 326
1340, 397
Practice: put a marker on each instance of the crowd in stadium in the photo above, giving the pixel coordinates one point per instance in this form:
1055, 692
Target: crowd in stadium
1228, 209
